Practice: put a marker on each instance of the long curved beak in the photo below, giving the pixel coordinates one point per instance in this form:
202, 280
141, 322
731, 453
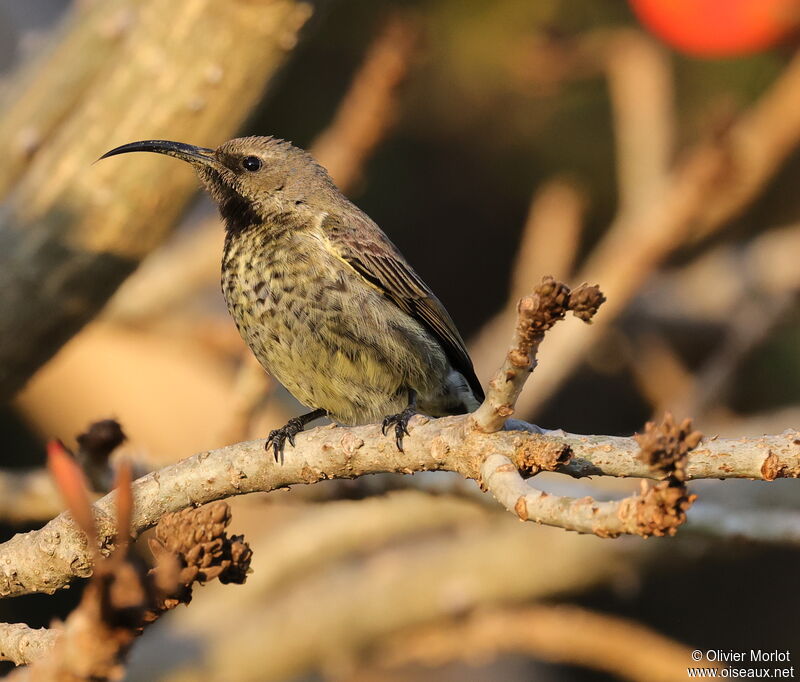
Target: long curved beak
185, 152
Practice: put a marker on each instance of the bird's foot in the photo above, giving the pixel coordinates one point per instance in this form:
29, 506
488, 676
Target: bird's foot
278, 437
400, 422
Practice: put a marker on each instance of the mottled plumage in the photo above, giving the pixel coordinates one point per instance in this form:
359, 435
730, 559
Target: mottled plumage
326, 302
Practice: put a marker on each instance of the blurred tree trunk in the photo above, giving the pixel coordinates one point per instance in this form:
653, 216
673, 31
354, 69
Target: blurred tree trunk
121, 70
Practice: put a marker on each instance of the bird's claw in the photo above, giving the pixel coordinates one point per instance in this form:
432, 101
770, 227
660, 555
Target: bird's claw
400, 422
277, 437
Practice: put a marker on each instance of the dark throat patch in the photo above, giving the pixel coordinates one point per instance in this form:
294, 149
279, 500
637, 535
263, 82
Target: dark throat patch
236, 211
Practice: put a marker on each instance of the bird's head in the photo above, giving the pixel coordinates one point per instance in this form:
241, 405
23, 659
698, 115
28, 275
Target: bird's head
251, 178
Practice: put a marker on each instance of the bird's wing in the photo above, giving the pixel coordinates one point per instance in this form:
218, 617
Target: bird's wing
363, 246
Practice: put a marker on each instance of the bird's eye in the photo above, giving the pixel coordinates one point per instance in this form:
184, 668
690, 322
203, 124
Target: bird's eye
251, 163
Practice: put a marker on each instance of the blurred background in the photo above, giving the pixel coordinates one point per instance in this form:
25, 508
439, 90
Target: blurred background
649, 147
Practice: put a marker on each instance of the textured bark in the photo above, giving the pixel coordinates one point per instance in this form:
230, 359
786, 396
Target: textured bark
657, 510
21, 644
48, 559
536, 314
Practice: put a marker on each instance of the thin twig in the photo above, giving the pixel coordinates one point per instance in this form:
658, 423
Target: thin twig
536, 314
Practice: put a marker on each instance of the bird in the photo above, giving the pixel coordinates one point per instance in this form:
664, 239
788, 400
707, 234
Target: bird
323, 298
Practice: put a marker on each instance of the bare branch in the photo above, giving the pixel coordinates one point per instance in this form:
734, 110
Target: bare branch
47, 559
470, 445
536, 314
657, 510
560, 634
640, 84
21, 644
761, 457
368, 109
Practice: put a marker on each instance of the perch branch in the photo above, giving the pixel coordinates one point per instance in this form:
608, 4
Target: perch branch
470, 445
47, 559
